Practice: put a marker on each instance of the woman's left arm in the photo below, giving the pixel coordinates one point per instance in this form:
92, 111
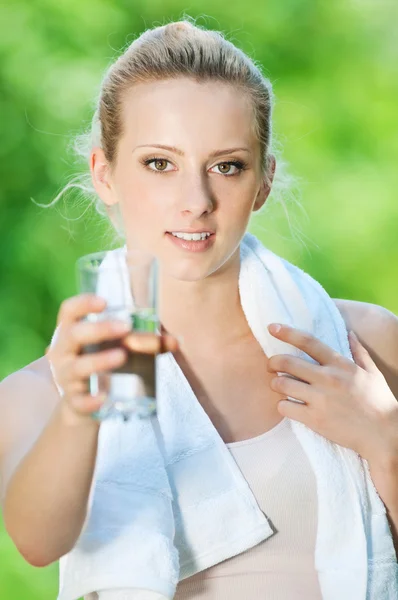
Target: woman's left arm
353, 404
377, 329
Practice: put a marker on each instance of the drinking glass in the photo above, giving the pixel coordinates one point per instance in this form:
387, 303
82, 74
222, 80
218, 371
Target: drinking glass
127, 279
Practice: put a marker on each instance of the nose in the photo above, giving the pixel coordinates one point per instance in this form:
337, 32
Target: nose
196, 197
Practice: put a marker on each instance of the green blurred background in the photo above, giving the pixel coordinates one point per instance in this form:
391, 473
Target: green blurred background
333, 66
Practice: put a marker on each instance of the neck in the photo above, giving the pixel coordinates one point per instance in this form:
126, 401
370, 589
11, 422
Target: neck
206, 313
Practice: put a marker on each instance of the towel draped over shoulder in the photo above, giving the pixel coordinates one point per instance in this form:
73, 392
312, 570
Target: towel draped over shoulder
168, 500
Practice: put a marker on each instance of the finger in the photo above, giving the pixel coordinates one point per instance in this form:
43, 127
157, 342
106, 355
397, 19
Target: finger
360, 355
150, 343
305, 341
87, 364
74, 308
171, 343
75, 370
85, 404
293, 410
168, 344
84, 333
299, 390
293, 365
78, 387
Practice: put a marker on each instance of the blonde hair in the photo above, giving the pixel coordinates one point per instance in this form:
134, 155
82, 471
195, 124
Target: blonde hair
177, 49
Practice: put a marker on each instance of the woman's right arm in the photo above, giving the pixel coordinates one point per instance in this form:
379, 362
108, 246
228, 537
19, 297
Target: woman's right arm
48, 439
47, 460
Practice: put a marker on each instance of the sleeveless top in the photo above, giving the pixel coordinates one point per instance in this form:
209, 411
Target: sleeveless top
282, 566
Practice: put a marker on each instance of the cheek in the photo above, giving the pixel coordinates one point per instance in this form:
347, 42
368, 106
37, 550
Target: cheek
238, 192
236, 203
140, 212
145, 211
138, 195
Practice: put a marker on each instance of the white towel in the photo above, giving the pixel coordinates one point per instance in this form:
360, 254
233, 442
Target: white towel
168, 499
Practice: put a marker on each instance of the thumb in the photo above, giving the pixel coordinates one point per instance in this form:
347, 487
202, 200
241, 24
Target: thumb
150, 343
360, 355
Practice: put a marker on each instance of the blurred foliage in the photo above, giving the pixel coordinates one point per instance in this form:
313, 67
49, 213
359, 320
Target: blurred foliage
333, 66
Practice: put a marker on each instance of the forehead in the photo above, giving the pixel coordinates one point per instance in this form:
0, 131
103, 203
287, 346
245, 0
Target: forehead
182, 109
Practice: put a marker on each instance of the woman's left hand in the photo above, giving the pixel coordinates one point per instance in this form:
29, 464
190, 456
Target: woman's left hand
347, 402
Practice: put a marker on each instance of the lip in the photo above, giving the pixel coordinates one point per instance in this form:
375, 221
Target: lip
192, 246
191, 231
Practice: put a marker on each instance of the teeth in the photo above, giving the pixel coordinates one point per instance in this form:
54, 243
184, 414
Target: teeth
191, 236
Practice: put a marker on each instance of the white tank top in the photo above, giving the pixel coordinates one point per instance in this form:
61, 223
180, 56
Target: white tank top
282, 566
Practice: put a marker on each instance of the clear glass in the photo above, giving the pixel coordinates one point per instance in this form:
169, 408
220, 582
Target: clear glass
128, 281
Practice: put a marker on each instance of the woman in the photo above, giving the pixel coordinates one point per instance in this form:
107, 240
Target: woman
182, 143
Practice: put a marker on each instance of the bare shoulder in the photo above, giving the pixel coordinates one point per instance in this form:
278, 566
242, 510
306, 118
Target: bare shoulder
373, 324
377, 329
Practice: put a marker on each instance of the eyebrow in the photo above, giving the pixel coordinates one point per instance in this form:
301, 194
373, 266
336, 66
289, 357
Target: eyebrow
181, 153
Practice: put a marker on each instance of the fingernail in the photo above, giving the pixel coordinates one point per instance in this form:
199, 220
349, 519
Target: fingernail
274, 327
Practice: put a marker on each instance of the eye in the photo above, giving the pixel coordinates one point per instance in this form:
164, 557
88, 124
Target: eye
159, 162
237, 164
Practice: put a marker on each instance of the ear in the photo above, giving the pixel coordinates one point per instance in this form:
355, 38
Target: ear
265, 188
100, 174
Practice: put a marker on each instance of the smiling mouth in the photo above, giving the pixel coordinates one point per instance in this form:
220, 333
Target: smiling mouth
200, 240
192, 232
192, 245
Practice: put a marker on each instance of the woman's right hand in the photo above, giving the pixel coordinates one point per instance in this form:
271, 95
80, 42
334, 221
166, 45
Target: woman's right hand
71, 368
